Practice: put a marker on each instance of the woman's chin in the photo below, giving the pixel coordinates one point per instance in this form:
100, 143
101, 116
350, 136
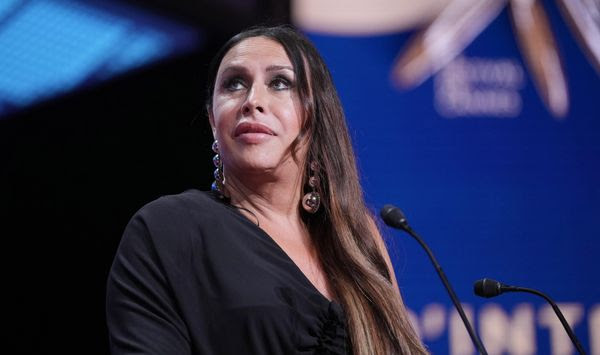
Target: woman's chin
266, 168
252, 167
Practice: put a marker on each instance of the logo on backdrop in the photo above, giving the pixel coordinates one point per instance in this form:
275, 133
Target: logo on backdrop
453, 25
479, 87
461, 21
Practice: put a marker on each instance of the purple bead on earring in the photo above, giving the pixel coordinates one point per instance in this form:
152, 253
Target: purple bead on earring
312, 200
219, 183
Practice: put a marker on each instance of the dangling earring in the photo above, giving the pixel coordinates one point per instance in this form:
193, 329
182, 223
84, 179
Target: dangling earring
312, 200
219, 183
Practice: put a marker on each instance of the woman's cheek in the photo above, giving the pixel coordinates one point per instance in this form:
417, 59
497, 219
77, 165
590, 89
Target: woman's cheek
225, 115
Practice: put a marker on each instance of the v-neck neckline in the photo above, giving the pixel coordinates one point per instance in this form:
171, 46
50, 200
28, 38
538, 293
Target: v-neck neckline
278, 247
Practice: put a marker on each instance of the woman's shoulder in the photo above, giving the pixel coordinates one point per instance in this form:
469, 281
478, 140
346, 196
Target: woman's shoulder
177, 218
190, 206
172, 227
189, 199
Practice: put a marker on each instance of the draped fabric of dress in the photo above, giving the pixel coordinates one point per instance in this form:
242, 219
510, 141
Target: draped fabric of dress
194, 276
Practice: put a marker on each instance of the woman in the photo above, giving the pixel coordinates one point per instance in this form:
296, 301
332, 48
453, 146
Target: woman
283, 256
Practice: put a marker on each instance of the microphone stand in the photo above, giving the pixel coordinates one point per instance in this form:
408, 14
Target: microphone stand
563, 321
450, 290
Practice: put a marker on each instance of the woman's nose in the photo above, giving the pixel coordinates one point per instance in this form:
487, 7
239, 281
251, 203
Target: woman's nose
254, 101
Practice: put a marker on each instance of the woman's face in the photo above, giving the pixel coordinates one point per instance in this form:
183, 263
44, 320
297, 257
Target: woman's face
256, 113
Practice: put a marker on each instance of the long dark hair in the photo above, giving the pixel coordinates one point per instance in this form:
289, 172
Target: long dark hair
343, 230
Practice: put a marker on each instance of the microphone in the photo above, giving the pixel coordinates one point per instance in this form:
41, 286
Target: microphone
491, 288
393, 217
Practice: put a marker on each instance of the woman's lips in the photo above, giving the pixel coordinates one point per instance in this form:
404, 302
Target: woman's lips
252, 132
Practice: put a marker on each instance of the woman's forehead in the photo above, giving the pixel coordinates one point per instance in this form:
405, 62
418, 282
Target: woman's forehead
256, 50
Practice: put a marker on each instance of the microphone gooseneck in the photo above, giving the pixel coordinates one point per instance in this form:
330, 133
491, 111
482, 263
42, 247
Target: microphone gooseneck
393, 217
491, 288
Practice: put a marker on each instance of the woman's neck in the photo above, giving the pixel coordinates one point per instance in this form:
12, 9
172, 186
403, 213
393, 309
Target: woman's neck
272, 201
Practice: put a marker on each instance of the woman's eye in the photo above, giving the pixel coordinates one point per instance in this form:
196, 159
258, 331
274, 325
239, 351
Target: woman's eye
234, 84
280, 83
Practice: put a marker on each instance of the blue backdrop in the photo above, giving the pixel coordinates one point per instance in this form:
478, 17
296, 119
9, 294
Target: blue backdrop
499, 188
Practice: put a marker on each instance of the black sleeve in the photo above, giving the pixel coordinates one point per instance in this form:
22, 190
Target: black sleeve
142, 315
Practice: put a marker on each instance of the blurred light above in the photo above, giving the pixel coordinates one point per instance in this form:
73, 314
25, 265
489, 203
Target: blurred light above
364, 17
50, 47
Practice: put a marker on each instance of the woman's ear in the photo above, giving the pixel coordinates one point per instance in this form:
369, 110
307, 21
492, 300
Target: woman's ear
211, 120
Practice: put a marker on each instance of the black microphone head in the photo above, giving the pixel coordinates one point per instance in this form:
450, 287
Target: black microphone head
393, 217
487, 288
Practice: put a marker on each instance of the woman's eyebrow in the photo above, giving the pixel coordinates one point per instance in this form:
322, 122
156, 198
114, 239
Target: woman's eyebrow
235, 69
242, 69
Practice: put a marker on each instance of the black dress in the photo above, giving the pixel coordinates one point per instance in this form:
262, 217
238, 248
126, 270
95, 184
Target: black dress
194, 276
